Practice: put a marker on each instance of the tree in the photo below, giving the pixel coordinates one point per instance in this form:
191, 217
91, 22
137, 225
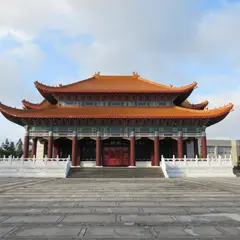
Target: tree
10, 149
1, 152
19, 148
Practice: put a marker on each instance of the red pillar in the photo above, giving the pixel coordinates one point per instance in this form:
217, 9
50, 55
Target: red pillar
50, 145
204, 146
155, 161
180, 147
74, 150
34, 147
132, 151
98, 151
26, 146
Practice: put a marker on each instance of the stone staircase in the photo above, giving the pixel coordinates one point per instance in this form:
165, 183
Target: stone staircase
115, 172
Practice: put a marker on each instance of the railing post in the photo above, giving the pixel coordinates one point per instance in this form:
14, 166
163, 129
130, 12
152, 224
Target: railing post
208, 160
9, 159
57, 160
174, 159
45, 159
196, 159
220, 160
185, 160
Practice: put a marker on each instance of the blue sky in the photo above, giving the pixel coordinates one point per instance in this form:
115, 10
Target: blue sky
168, 41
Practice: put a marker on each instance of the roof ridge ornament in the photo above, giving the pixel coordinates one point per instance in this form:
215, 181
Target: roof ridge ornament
97, 74
135, 75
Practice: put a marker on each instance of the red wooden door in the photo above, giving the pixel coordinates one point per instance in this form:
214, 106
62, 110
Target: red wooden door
115, 156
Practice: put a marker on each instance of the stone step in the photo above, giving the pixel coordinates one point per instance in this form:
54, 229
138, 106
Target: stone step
115, 172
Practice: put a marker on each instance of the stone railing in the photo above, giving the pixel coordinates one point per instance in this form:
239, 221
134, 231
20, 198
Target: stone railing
198, 167
33, 167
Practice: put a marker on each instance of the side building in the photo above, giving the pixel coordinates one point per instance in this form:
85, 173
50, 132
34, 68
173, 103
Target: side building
115, 121
223, 148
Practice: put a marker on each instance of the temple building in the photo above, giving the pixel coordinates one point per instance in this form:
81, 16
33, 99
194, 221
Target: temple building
115, 121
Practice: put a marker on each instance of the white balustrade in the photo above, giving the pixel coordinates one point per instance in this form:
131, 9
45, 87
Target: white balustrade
198, 167
34, 167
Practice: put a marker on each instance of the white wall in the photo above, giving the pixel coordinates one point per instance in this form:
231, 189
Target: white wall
88, 164
144, 164
40, 150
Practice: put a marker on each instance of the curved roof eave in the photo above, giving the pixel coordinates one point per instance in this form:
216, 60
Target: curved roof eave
115, 112
40, 105
197, 106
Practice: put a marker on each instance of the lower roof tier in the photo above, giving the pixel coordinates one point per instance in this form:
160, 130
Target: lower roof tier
84, 112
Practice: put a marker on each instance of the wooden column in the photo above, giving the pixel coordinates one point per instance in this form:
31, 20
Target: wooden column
74, 150
98, 151
204, 146
34, 147
155, 161
50, 145
132, 151
26, 144
180, 146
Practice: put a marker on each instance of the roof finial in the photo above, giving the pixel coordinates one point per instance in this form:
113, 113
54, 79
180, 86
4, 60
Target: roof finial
136, 75
97, 74
59, 83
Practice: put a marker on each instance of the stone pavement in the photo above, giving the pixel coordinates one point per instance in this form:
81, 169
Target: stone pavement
119, 208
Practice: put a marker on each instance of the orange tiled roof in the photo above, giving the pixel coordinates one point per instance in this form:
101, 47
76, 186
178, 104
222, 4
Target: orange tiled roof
198, 106
29, 105
115, 112
102, 83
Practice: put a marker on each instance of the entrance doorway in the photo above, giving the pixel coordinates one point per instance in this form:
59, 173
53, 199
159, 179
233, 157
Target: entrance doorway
115, 152
115, 156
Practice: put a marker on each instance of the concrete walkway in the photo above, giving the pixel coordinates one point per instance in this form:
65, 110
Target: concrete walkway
119, 208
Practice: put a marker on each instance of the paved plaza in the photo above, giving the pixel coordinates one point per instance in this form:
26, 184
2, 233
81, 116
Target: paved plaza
119, 208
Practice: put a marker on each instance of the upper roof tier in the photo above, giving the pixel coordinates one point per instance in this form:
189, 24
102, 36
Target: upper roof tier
114, 112
113, 84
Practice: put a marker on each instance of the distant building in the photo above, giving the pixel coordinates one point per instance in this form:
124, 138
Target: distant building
223, 148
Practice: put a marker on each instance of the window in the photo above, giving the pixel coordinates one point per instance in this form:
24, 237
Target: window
116, 130
198, 130
142, 103
89, 103
115, 103
224, 151
211, 151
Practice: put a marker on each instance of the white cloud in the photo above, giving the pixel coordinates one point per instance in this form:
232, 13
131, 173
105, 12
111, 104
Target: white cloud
14, 64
